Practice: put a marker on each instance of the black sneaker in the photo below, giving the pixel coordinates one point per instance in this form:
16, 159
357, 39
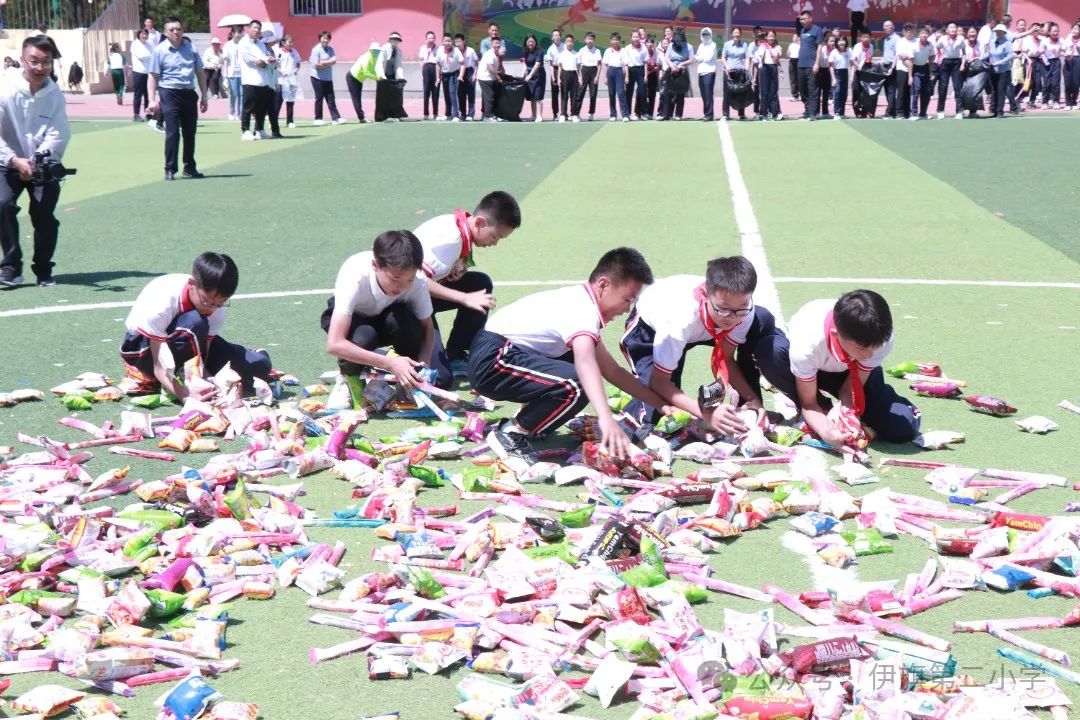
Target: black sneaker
9, 278
512, 448
193, 175
46, 282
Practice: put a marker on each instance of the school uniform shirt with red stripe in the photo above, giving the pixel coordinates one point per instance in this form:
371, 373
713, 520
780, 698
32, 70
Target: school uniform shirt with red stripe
950, 48
547, 322
357, 290
1070, 47
447, 242
812, 349
1050, 50
675, 307
159, 304
861, 55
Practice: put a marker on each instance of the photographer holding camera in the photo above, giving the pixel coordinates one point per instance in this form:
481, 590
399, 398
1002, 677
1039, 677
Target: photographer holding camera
33, 134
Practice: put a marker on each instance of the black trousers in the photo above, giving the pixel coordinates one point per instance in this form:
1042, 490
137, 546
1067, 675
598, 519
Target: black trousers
903, 94
213, 81
652, 82
1072, 81
589, 85
1001, 84
1051, 88
890, 95
568, 92
707, 88
43, 199
139, 96
858, 22
324, 90
273, 109
180, 111
921, 89
290, 105
548, 389
431, 92
555, 93
892, 417
950, 73
793, 77
258, 102
466, 92
824, 87
809, 92
189, 337
396, 326
637, 347
769, 91
635, 90
487, 98
839, 91
355, 89
467, 322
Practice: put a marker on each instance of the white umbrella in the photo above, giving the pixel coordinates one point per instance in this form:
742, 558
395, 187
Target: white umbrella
235, 19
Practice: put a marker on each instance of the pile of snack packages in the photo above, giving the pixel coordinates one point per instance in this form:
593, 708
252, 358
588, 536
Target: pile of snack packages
540, 600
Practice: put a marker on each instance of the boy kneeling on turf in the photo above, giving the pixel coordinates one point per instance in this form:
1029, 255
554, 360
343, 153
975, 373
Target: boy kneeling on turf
448, 242
380, 299
685, 311
544, 351
178, 317
839, 347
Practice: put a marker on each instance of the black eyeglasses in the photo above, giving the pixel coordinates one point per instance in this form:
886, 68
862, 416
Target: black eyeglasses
727, 312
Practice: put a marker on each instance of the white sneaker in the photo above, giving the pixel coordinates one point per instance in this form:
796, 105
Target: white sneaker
590, 117
231, 117
456, 119
780, 116
959, 116
318, 122
340, 121
837, 117
612, 119
913, 118
427, 117
941, 116
1070, 108
291, 125
562, 118
631, 118
577, 118
263, 135
539, 118
625, 119
248, 136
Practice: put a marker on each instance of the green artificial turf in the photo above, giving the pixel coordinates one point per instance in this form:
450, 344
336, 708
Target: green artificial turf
290, 212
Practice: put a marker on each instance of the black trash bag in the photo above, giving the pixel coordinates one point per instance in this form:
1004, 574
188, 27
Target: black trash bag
389, 100
974, 86
510, 96
738, 90
871, 80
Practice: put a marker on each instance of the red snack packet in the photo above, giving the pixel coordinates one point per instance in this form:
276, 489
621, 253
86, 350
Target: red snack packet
1020, 521
989, 405
824, 655
1073, 618
690, 493
769, 707
629, 606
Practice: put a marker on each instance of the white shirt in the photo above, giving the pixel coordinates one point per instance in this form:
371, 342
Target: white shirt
951, 49
986, 33
288, 64
547, 322
469, 58
357, 291
858, 5
768, 55
160, 302
488, 59
115, 61
809, 351
706, 57
29, 123
924, 53
1070, 46
840, 60
587, 57
250, 52
427, 54
635, 56
905, 50
613, 58
551, 57
232, 58
793, 51
861, 55
1050, 50
568, 60
140, 57
670, 307
153, 38
443, 240
449, 62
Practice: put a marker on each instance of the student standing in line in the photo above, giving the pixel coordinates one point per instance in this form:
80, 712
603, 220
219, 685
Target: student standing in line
272, 84
705, 59
467, 84
589, 59
950, 48
862, 56
429, 67
141, 53
680, 56
569, 79
971, 52
793, 67
905, 54
652, 77
289, 80
1050, 51
921, 78
768, 64
449, 62
489, 75
615, 72
735, 62
322, 61
824, 73
535, 77
551, 58
840, 67
1071, 52
635, 55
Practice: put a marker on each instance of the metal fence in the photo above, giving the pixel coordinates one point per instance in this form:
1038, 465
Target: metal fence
325, 7
54, 14
116, 24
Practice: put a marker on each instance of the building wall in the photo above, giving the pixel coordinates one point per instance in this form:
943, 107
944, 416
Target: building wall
1063, 12
352, 34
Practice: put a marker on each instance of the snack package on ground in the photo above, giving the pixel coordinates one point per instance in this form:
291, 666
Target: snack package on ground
608, 679
938, 439
1037, 425
989, 405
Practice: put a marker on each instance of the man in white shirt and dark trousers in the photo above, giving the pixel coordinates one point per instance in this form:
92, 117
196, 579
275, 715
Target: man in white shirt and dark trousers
589, 61
489, 74
858, 8
33, 119
905, 54
466, 87
551, 57
256, 67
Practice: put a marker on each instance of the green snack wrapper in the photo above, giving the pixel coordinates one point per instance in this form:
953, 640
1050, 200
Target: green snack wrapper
751, 685
560, 550
618, 400
240, 502
650, 555
784, 435
694, 594
426, 586
670, 424
315, 442
904, 368
643, 576
637, 650
164, 604
29, 597
356, 390
76, 402
138, 541
34, 560
147, 402
145, 553
157, 519
866, 542
477, 479
429, 476
364, 445
578, 518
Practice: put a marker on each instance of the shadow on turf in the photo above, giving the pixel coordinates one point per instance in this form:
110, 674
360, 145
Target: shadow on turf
101, 280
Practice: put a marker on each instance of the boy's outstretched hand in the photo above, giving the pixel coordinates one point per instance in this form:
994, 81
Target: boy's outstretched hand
404, 369
725, 420
613, 439
481, 301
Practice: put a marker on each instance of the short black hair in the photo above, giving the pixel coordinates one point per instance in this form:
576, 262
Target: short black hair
590, 34
806, 13
569, 36
44, 43
174, 19
864, 317
734, 275
322, 33
616, 36
398, 250
215, 272
909, 26
500, 208
459, 36
623, 264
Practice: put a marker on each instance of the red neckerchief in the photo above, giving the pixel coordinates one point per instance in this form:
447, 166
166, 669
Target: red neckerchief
719, 359
596, 303
461, 219
186, 303
858, 396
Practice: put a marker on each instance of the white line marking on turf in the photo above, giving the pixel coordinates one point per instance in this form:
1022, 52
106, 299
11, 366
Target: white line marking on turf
753, 249
52, 309
824, 575
925, 281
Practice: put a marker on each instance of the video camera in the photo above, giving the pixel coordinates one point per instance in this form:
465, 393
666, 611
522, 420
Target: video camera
48, 170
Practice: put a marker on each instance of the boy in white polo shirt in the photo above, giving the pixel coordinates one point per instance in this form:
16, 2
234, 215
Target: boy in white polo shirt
839, 347
617, 75
381, 299
569, 79
588, 59
448, 242
179, 317
685, 311
544, 351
